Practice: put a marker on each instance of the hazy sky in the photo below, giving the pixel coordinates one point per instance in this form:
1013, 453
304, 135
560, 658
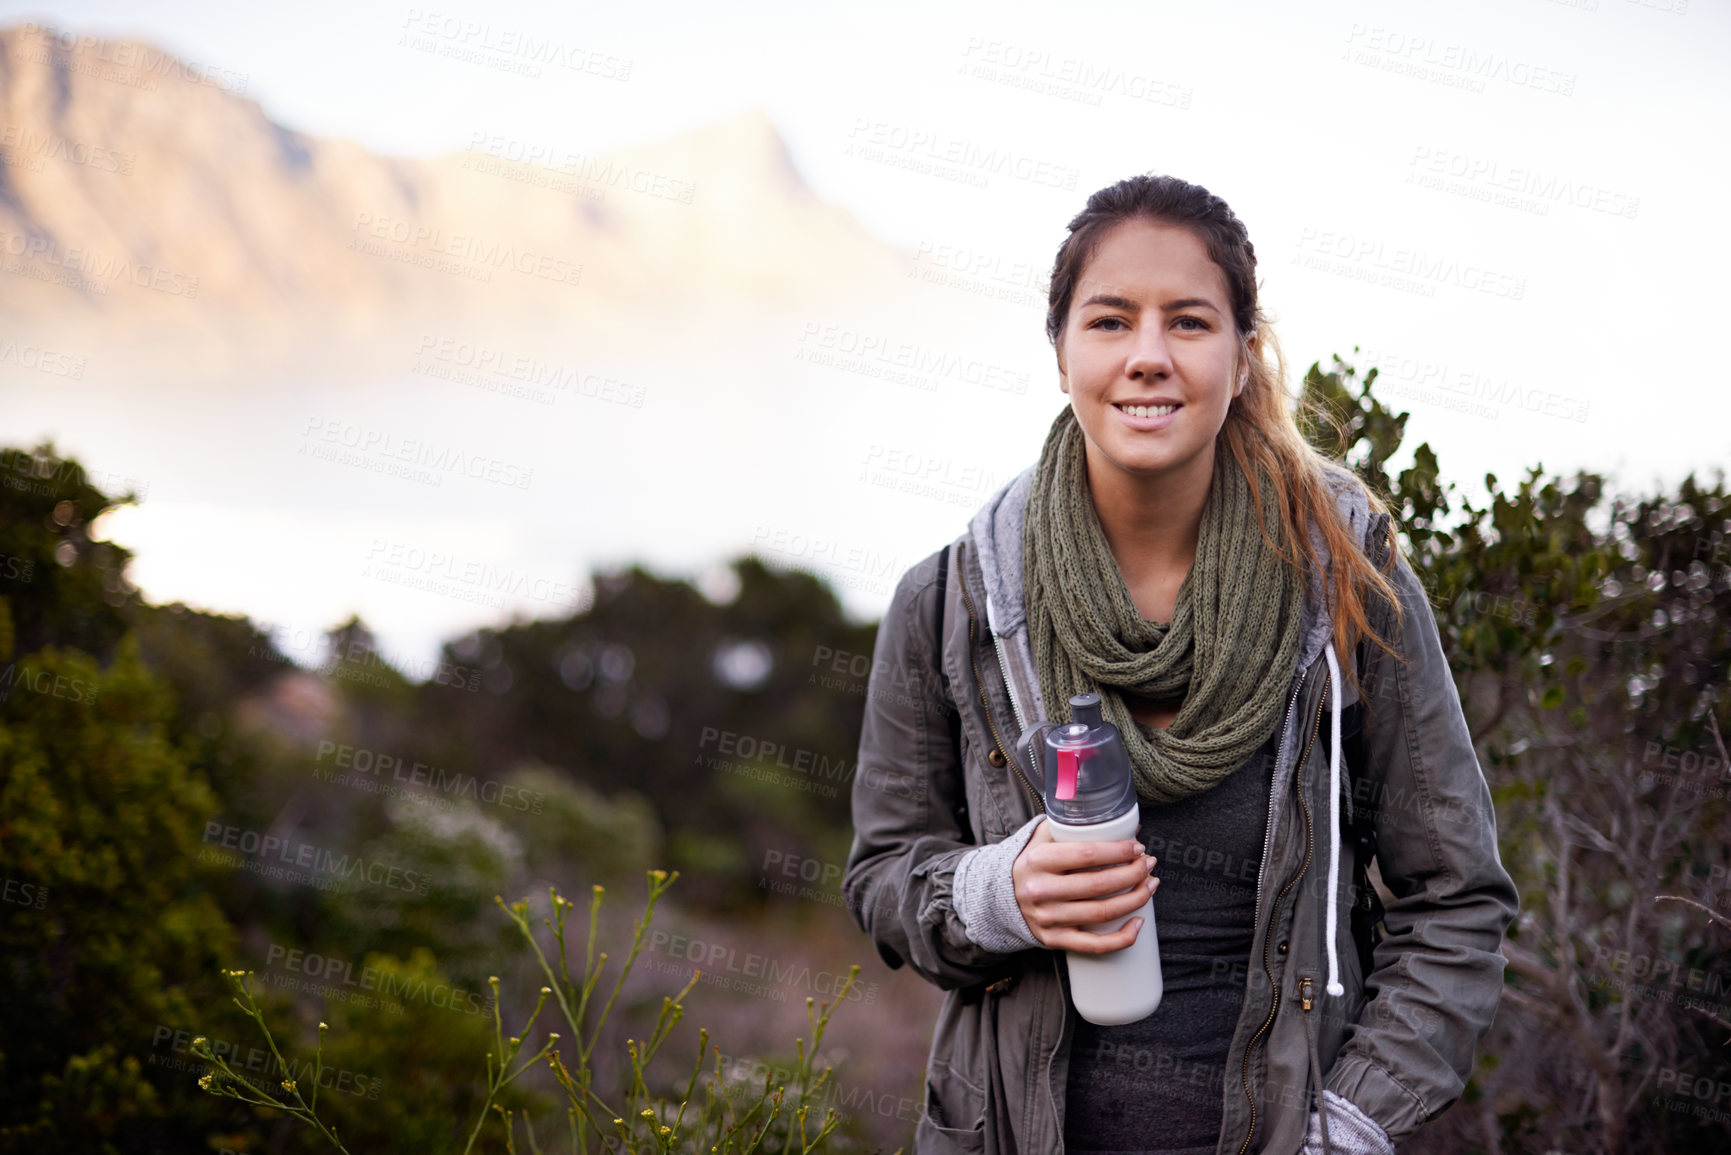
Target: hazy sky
1515, 207
1316, 121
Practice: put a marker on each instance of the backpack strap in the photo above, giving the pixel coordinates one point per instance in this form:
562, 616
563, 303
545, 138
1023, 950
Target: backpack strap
943, 582
943, 596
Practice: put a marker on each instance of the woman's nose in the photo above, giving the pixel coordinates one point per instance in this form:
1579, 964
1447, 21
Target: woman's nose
1150, 357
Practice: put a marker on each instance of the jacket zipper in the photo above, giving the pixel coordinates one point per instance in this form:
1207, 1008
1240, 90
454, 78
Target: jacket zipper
1274, 912
1015, 699
1009, 682
980, 684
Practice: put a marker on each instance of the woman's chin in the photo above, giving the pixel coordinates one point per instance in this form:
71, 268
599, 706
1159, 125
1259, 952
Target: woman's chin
1142, 462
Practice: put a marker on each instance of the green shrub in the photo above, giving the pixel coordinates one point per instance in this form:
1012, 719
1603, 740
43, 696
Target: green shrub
730, 1119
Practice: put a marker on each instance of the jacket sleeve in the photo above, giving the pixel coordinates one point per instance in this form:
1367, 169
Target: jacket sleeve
910, 801
1437, 976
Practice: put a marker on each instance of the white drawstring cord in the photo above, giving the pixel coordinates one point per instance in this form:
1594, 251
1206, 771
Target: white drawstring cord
1334, 986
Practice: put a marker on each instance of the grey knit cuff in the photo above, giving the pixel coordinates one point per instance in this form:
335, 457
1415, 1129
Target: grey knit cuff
984, 894
1350, 1130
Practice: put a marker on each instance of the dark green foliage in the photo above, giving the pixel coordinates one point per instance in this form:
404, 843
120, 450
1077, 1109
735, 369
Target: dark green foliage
100, 812
1589, 641
57, 585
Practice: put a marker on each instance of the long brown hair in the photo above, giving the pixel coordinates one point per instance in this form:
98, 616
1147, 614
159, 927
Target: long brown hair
1261, 429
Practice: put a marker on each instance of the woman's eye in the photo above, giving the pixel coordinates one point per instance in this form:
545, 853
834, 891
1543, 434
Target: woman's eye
1192, 324
1106, 320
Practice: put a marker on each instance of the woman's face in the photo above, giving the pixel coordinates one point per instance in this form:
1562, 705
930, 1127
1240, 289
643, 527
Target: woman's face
1150, 325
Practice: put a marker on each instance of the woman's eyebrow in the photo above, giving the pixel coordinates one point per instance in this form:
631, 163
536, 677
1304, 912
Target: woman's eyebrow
1113, 301
1189, 303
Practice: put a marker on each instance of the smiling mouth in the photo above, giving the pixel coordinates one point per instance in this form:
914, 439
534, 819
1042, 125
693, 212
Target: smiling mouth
1147, 410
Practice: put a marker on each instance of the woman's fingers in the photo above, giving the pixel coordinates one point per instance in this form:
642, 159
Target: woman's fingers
1041, 884
1052, 916
1082, 860
1085, 942
1063, 887
1051, 854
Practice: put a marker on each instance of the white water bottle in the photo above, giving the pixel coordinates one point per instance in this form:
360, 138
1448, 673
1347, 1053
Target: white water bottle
1090, 797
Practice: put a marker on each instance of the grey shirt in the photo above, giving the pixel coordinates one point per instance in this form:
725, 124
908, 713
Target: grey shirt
1154, 1087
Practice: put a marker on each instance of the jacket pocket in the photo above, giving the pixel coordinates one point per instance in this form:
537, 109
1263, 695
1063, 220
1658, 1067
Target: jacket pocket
955, 1114
958, 1113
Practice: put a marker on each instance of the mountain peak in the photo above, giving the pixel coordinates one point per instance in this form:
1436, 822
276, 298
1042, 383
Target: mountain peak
753, 133
149, 195
747, 145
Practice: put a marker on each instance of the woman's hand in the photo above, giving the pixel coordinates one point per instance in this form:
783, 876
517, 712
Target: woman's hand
1059, 895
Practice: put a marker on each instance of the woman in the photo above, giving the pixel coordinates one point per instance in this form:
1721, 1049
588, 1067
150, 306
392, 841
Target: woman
1181, 550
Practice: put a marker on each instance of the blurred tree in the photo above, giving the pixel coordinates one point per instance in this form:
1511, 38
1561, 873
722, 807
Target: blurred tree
212, 663
119, 744
57, 584
105, 932
649, 689
1589, 646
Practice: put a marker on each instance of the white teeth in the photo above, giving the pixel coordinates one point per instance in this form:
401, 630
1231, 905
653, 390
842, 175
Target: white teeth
1148, 410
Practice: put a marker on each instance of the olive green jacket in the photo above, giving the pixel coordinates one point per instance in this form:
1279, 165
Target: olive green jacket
943, 774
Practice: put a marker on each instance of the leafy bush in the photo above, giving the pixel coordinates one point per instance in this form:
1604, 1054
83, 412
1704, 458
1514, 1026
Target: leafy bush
100, 820
634, 1118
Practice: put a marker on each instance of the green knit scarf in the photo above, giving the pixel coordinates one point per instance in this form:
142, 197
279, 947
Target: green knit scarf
1229, 651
